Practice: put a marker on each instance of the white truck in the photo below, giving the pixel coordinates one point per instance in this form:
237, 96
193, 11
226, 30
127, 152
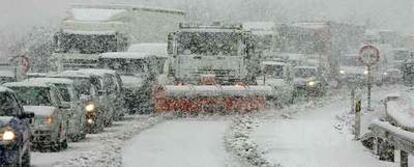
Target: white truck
93, 29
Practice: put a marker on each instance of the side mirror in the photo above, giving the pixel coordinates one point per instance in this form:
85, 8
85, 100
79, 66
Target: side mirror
27, 115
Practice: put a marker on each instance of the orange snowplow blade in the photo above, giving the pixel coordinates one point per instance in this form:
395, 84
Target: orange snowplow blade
190, 98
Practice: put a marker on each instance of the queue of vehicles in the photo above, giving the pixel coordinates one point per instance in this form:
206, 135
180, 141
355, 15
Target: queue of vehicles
100, 74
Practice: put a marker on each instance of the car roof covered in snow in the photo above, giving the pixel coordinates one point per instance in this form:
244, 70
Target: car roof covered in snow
70, 74
99, 72
125, 55
52, 80
26, 83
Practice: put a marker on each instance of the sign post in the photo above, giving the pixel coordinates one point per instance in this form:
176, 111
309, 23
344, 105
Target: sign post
357, 118
369, 55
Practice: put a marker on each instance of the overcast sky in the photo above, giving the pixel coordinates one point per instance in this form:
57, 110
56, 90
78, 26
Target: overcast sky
18, 16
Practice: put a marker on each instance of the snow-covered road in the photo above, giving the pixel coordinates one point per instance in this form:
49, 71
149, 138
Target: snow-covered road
98, 149
312, 138
179, 143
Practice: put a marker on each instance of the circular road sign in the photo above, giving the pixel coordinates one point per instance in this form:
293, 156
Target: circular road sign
369, 55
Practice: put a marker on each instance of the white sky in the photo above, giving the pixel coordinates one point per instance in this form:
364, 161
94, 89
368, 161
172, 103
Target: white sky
17, 16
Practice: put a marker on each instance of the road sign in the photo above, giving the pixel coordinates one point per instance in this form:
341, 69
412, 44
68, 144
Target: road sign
25, 63
369, 55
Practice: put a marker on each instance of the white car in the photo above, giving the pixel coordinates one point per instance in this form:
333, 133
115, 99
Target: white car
76, 115
45, 101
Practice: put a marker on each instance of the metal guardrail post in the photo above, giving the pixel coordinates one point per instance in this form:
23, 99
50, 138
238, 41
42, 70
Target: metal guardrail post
404, 159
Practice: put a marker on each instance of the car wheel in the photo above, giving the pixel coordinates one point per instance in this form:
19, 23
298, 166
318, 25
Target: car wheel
26, 158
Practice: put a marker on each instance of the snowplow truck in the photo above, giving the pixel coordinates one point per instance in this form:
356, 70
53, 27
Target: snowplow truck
211, 69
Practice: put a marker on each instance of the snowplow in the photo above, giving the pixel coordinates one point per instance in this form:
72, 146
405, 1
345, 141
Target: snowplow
211, 69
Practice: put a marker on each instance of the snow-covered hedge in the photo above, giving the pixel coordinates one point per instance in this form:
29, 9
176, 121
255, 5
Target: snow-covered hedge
109, 145
238, 142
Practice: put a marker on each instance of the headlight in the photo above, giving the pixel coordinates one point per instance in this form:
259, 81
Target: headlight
90, 107
8, 135
385, 73
90, 121
366, 72
49, 120
311, 83
342, 72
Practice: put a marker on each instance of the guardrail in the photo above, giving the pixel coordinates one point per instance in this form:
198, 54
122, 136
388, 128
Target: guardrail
399, 138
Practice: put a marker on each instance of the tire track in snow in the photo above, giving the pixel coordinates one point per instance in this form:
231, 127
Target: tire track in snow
178, 143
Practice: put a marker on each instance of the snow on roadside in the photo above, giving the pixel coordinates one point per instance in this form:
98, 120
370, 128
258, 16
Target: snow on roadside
237, 141
311, 134
102, 149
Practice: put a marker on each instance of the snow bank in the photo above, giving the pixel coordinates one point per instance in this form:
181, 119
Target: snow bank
108, 152
238, 141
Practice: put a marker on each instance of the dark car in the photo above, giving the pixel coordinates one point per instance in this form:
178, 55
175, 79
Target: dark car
14, 131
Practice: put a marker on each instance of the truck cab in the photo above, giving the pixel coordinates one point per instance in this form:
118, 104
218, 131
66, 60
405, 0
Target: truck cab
80, 49
222, 51
278, 74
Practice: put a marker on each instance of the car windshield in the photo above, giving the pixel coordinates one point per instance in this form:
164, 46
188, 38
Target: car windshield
305, 72
208, 43
6, 105
125, 66
34, 96
275, 71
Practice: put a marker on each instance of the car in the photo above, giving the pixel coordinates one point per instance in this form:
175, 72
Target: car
116, 92
49, 126
392, 76
353, 73
109, 93
14, 130
86, 85
75, 113
308, 81
135, 72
